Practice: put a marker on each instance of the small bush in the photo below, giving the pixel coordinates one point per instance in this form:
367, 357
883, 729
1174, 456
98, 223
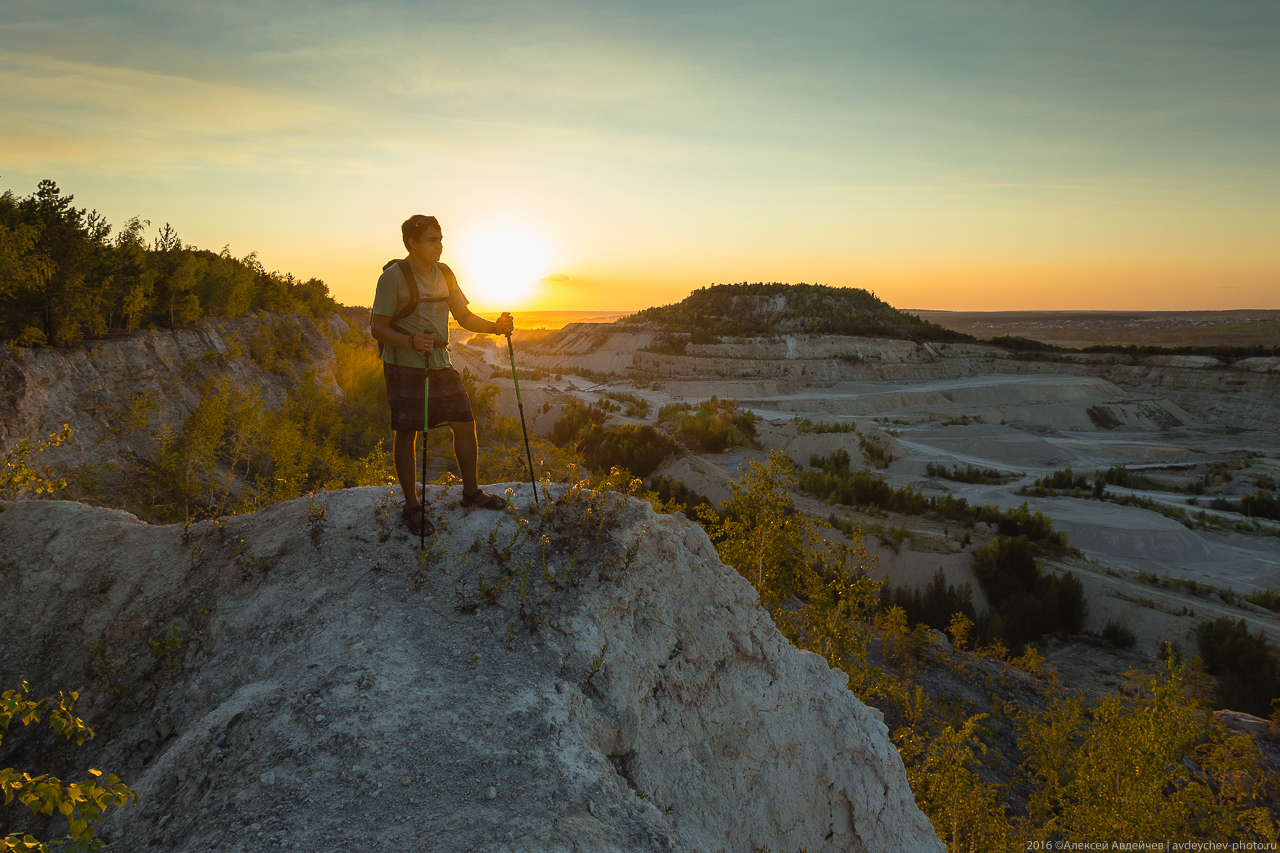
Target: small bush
1064, 480
712, 426
1261, 505
804, 425
969, 474
1268, 598
675, 495
639, 449
81, 804
875, 454
1119, 475
578, 417
1118, 635
17, 478
636, 407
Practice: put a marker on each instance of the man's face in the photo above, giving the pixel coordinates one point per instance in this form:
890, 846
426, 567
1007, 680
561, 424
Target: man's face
428, 245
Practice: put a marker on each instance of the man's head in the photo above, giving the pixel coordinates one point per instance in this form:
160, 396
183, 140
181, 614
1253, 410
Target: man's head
415, 226
422, 238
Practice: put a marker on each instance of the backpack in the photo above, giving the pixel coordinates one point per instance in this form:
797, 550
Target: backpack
411, 280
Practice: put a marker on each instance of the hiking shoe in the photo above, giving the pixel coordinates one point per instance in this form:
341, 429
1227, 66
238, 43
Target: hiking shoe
483, 499
417, 522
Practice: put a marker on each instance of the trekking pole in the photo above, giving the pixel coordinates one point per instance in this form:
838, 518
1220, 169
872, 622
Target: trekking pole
523, 428
426, 401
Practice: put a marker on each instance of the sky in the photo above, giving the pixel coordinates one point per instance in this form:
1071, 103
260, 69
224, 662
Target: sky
609, 155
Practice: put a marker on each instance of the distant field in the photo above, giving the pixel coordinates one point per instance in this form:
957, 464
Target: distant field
1092, 328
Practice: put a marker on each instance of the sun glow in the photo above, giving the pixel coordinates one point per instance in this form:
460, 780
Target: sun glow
502, 264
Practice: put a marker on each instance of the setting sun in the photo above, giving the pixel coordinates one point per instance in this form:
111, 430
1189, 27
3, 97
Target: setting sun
501, 265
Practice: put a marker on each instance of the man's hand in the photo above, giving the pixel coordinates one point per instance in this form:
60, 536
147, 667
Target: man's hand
504, 325
424, 341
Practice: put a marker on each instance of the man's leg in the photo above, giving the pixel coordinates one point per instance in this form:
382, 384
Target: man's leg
466, 449
405, 457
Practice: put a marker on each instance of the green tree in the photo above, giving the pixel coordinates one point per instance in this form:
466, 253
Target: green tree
1246, 665
784, 556
943, 768
63, 280
67, 237
24, 275
177, 271
759, 533
130, 284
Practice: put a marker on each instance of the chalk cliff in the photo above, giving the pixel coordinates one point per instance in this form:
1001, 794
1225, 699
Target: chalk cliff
584, 677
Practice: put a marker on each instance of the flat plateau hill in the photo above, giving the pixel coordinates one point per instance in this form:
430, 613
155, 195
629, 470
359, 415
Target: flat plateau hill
586, 676
774, 308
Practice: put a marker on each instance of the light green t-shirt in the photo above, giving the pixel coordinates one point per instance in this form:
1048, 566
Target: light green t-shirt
393, 293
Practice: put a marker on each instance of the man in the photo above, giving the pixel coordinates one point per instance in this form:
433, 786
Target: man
415, 342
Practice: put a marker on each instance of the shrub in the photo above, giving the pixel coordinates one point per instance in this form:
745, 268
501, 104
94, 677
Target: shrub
636, 407
1268, 598
969, 474
1064, 480
1148, 761
804, 425
675, 495
18, 478
578, 417
82, 804
1261, 505
639, 449
712, 426
1119, 475
1118, 635
875, 454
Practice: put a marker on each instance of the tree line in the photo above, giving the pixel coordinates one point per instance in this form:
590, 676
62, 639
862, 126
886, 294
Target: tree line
66, 277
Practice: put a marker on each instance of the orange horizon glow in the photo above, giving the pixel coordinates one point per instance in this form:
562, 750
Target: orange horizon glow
945, 156
1082, 287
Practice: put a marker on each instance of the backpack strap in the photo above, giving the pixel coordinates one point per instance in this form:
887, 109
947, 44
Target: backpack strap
450, 279
411, 281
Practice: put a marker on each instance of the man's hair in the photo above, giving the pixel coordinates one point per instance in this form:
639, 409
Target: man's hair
412, 228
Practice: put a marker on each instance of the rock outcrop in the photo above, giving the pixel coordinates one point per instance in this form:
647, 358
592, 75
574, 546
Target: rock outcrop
151, 377
116, 393
588, 677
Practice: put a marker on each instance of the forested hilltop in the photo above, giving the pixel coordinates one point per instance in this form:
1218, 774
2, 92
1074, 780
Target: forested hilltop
65, 277
762, 309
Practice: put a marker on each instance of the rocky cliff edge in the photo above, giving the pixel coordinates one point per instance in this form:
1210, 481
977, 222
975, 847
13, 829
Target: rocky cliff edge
589, 678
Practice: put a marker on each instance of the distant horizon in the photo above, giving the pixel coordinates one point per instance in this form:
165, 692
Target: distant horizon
558, 313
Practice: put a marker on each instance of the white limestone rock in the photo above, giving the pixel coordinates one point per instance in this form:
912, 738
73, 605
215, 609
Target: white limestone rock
324, 702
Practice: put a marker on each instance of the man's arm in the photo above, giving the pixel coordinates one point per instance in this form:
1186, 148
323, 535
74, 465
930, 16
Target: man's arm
380, 328
504, 325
